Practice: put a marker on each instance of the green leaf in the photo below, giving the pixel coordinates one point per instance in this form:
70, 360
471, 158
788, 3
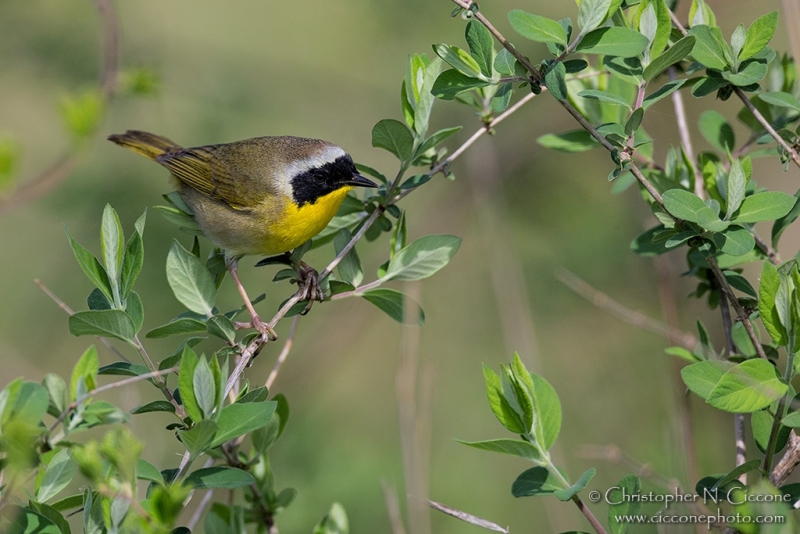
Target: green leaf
765, 206
736, 472
238, 419
619, 506
536, 481
626, 69
674, 54
197, 439
392, 302
147, 471
350, 269
451, 83
183, 325
481, 46
334, 522
750, 72
27, 521
180, 219
458, 59
570, 142
438, 137
735, 241
135, 310
613, 41
548, 411
566, 494
123, 369
735, 190
189, 362
504, 62
52, 514
86, 368
60, 471
67, 503
605, 96
422, 258
219, 478
395, 137
503, 411
110, 323
592, 13
634, 121
555, 80
781, 99
768, 311
737, 281
702, 377
132, 264
748, 387
536, 28
221, 327
83, 112
204, 388
190, 280
689, 207
759, 35
663, 92
57, 393
113, 247
717, 131
515, 447
709, 48
784, 222
91, 267
154, 406
644, 244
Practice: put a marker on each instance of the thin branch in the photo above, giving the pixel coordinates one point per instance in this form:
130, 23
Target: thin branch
686, 138
64, 306
287, 347
198, 513
738, 419
358, 235
392, 508
466, 4
740, 312
107, 82
624, 314
790, 460
113, 385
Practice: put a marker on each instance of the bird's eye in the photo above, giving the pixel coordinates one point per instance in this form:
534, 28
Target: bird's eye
319, 178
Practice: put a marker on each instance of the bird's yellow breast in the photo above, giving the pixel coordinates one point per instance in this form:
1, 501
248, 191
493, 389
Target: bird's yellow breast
298, 224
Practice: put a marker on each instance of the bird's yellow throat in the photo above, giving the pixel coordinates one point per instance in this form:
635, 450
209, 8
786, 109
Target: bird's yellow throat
298, 224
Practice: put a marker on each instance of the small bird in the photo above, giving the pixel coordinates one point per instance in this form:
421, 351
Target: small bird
266, 195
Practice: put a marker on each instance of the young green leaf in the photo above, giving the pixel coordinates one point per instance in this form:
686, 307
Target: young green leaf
784, 222
765, 206
459, 59
393, 136
110, 323
702, 377
536, 481
623, 507
91, 267
613, 41
536, 28
503, 411
204, 388
238, 419
481, 46
709, 48
452, 83
112, 243
350, 269
663, 92
132, 264
504, 62
689, 207
392, 302
735, 190
767, 297
556, 82
605, 96
219, 477
60, 472
422, 258
154, 406
566, 494
592, 13
189, 363
674, 54
515, 447
570, 142
735, 240
781, 99
748, 387
759, 35
750, 72
190, 280
183, 325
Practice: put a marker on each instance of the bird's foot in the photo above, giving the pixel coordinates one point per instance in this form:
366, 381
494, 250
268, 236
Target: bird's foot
308, 282
264, 328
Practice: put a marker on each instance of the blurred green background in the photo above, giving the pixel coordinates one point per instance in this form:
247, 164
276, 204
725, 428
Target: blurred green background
233, 70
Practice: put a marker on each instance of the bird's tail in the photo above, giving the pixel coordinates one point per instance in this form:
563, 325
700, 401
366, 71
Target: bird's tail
147, 144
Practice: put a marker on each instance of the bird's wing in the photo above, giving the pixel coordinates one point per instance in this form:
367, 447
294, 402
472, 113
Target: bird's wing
201, 170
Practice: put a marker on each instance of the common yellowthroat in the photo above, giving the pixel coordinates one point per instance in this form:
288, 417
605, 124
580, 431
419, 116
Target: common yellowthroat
266, 195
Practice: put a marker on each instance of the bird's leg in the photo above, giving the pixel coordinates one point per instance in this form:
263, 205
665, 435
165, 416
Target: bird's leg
258, 324
309, 285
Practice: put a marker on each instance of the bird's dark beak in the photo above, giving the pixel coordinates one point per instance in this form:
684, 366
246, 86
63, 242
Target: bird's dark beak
359, 181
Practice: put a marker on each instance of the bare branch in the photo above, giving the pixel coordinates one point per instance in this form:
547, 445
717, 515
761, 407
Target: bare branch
287, 347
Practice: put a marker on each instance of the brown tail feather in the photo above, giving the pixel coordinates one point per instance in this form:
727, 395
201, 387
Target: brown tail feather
147, 144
